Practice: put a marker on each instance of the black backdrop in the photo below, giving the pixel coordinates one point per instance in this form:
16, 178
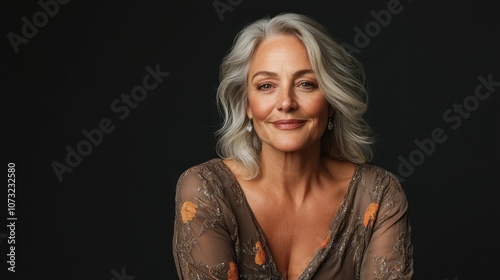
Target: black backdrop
68, 68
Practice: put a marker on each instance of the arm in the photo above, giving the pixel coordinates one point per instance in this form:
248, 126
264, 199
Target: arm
389, 254
202, 245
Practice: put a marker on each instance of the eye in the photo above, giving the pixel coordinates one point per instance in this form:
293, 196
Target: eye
264, 87
308, 85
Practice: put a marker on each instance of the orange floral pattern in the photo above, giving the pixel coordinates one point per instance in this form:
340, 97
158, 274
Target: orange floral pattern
188, 211
232, 273
370, 214
260, 256
325, 241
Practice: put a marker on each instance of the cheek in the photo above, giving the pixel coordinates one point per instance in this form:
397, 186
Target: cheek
318, 109
259, 109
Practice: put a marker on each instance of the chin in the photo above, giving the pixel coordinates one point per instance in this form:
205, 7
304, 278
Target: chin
290, 147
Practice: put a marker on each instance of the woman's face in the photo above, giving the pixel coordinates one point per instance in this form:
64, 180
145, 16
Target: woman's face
289, 111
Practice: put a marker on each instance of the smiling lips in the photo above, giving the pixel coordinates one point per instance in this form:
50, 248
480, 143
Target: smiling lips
288, 124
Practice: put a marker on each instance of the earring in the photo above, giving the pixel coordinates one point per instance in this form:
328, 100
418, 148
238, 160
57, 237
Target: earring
330, 123
249, 126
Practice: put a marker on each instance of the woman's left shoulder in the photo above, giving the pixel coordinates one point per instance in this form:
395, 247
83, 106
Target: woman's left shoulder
377, 187
377, 177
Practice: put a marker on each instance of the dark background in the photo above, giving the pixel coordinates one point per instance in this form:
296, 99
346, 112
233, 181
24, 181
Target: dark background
112, 216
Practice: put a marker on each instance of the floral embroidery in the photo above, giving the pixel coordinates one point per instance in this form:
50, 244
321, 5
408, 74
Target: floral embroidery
260, 256
188, 211
370, 214
232, 273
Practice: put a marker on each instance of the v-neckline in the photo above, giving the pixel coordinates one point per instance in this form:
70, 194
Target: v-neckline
335, 222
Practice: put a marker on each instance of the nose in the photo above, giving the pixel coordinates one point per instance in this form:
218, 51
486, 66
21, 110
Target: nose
286, 101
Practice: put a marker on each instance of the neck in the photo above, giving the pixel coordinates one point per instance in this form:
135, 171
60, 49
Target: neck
291, 175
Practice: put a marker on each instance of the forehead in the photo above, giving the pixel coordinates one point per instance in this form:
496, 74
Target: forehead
280, 51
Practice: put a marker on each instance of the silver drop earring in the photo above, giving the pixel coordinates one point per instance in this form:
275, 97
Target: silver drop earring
330, 123
249, 126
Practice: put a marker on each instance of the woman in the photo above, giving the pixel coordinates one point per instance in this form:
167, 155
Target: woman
292, 196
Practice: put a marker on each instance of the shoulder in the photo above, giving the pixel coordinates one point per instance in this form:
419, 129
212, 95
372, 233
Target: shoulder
378, 181
376, 173
203, 179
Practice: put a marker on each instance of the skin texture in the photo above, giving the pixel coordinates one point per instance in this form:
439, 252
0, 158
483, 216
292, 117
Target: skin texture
298, 192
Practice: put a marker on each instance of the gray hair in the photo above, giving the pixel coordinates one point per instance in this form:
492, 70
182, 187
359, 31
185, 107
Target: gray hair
340, 76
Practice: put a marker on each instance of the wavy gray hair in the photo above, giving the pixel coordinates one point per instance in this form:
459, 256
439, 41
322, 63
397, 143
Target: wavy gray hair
340, 76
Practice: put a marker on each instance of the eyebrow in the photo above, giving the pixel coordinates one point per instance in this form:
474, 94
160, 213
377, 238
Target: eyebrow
272, 74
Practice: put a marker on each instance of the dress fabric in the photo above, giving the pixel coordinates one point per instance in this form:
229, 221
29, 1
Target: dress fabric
216, 235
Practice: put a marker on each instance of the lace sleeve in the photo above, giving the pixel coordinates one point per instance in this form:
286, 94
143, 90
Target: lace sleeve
389, 254
202, 245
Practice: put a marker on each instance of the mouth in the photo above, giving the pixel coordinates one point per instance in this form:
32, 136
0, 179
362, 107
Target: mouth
288, 124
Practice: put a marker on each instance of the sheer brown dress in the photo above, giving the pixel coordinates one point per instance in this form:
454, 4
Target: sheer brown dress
216, 235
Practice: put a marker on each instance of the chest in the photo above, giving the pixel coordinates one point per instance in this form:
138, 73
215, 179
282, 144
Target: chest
294, 235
